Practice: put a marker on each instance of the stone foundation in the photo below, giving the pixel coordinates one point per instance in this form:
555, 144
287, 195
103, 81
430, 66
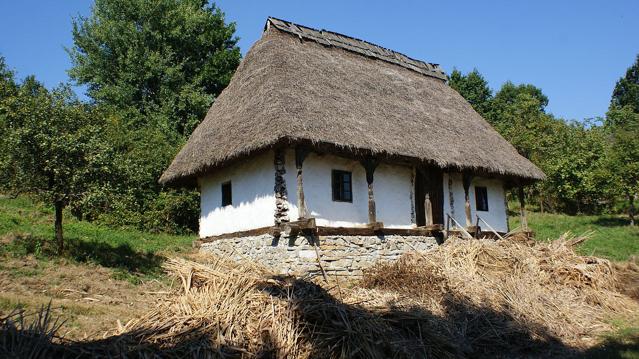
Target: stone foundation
339, 255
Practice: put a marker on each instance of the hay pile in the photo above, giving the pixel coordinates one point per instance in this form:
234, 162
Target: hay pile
510, 295
476, 298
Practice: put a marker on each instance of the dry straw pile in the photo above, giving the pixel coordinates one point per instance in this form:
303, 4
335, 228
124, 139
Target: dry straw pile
464, 299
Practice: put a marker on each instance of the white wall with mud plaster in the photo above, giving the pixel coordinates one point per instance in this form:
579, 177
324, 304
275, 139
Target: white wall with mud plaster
253, 206
391, 186
496, 214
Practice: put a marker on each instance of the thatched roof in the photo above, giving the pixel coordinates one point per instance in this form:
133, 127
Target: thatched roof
300, 85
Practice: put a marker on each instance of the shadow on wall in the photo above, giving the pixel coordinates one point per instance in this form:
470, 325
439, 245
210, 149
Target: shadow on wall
332, 329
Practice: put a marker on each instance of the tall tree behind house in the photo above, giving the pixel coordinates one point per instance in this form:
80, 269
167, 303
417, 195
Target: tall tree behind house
156, 66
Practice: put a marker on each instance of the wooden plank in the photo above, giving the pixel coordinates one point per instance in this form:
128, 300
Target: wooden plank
248, 233
309, 225
368, 231
376, 226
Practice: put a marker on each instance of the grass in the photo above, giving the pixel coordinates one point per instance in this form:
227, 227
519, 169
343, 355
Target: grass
611, 236
27, 228
622, 342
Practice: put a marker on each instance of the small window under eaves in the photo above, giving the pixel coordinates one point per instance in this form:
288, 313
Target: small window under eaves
342, 186
481, 198
227, 194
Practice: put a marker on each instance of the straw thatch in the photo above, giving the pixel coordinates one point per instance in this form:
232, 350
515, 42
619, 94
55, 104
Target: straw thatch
301, 87
466, 299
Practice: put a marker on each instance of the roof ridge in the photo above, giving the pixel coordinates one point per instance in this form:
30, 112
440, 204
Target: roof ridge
359, 46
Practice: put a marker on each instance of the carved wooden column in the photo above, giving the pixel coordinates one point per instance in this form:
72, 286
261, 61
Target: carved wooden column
428, 209
467, 179
281, 193
300, 154
522, 208
370, 164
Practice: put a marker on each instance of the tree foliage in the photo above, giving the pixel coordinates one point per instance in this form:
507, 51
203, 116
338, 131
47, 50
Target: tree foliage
474, 88
623, 155
155, 62
155, 66
572, 154
53, 146
626, 92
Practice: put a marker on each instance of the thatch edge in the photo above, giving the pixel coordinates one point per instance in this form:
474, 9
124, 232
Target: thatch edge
190, 179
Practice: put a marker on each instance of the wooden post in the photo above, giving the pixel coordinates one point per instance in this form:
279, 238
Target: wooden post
522, 208
507, 211
300, 155
467, 179
428, 210
369, 165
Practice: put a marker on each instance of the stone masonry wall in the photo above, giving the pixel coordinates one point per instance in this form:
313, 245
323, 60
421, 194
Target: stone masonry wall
339, 255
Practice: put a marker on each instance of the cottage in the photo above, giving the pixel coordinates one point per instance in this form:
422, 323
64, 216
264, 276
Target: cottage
328, 135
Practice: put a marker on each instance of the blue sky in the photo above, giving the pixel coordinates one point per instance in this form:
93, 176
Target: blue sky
574, 50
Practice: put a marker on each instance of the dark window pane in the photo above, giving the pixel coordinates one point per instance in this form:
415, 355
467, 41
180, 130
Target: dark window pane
342, 187
227, 194
481, 198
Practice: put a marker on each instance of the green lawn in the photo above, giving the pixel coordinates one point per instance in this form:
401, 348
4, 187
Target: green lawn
611, 237
27, 228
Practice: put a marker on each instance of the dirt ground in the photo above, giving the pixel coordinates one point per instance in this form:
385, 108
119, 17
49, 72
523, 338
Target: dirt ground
87, 297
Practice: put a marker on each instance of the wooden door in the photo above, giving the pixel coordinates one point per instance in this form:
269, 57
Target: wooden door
429, 180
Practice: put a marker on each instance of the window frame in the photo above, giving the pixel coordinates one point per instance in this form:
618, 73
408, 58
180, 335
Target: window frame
479, 205
340, 194
228, 185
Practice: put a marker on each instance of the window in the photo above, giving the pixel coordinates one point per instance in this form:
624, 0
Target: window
481, 199
342, 186
227, 194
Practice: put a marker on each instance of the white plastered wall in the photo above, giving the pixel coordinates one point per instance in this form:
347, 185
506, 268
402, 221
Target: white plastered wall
391, 186
496, 214
254, 199
253, 206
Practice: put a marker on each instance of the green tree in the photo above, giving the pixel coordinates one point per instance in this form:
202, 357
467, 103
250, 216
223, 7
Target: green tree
626, 92
510, 93
573, 160
8, 89
474, 88
156, 62
517, 112
53, 147
623, 155
155, 66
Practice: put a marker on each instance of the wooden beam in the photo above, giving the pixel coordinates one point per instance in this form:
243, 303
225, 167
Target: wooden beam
370, 164
300, 154
309, 226
467, 179
522, 208
247, 233
367, 231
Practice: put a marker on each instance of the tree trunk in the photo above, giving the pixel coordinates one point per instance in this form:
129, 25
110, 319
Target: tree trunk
58, 226
631, 208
